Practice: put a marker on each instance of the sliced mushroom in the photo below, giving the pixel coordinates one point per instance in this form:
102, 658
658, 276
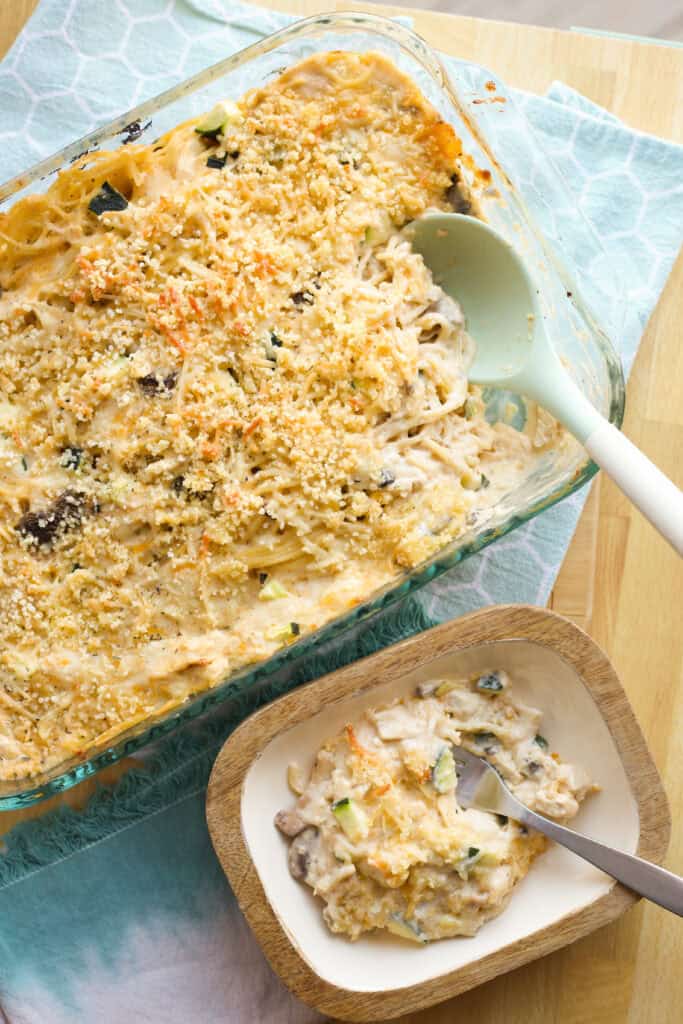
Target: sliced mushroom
454, 196
301, 853
66, 513
303, 298
290, 823
155, 385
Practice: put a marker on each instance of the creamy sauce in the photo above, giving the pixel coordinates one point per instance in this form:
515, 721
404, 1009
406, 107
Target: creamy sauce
377, 831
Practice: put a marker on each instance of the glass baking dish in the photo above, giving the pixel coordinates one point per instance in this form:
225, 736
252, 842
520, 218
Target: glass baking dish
480, 114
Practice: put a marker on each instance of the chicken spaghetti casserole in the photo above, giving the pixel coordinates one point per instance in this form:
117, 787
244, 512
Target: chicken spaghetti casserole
377, 831
233, 402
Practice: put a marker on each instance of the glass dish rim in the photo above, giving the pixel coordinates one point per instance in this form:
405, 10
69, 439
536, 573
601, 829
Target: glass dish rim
62, 777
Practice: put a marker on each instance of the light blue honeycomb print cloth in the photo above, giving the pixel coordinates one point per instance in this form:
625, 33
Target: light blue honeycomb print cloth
121, 912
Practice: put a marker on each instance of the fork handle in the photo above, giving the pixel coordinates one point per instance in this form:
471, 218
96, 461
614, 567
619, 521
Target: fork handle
649, 880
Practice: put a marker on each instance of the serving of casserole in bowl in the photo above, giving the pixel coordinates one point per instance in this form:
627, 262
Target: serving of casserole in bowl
234, 408
372, 892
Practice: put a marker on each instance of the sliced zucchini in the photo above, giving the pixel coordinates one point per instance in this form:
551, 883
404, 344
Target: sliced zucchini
443, 772
70, 457
470, 480
541, 741
398, 925
272, 590
217, 162
351, 817
490, 683
284, 634
376, 234
224, 113
469, 859
271, 343
471, 408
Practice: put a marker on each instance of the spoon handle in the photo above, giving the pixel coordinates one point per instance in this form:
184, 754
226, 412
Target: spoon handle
649, 880
649, 489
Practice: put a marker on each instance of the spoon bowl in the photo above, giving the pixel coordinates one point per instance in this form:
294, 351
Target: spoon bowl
465, 255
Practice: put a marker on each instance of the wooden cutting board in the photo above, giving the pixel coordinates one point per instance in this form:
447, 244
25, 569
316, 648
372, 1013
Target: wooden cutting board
619, 580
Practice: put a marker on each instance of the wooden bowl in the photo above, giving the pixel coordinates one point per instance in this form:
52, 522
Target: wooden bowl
556, 667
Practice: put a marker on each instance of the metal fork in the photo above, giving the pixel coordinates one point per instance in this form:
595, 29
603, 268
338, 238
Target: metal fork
480, 786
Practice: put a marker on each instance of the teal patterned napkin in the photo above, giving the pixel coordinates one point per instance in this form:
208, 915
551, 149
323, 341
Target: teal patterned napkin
121, 912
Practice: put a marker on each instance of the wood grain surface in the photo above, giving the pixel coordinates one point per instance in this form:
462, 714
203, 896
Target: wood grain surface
13, 14
663, 18
619, 579
540, 627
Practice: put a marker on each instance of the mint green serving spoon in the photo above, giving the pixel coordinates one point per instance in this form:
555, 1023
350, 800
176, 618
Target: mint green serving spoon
480, 269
